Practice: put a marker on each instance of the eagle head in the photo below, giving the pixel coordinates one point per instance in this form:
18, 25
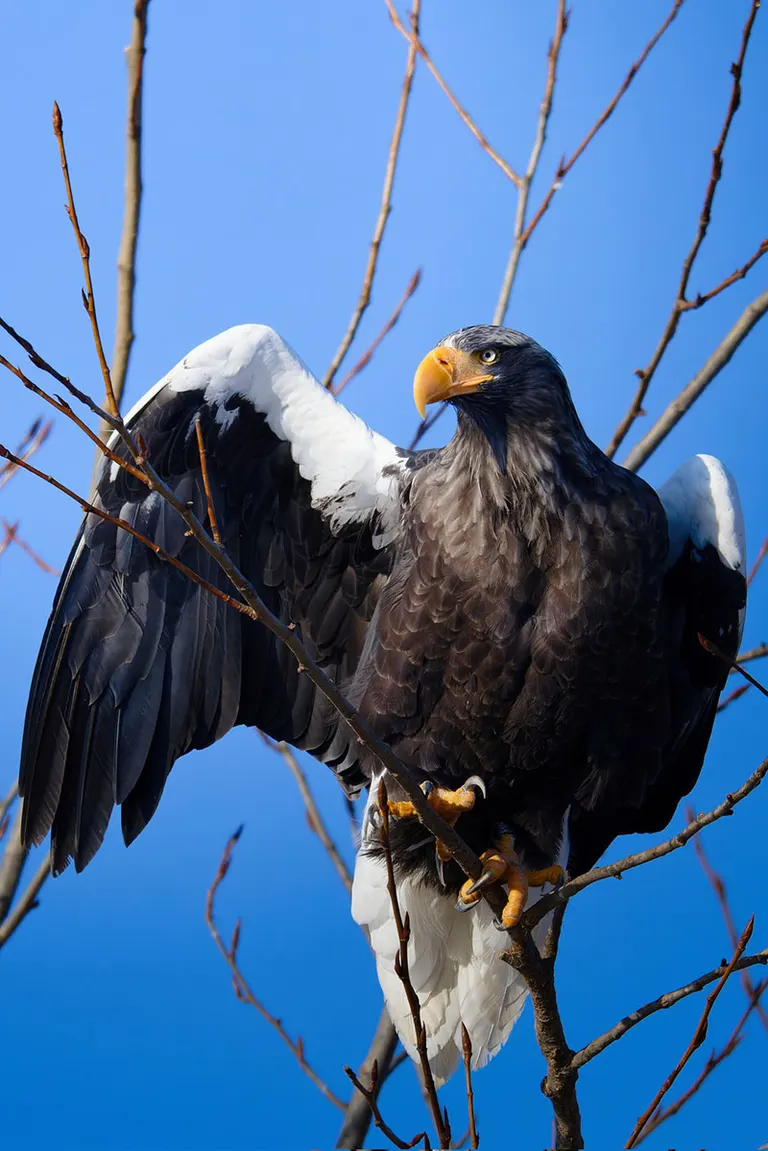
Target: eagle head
494, 376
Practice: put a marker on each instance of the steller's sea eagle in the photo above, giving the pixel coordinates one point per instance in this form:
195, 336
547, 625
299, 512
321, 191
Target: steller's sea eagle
516, 615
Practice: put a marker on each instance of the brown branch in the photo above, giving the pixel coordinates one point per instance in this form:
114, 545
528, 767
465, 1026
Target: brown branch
466, 1047
370, 1094
89, 301
758, 561
403, 926
524, 185
384, 209
739, 274
669, 999
381, 1055
413, 38
699, 1036
737, 693
717, 884
313, 812
11, 866
31, 443
614, 870
565, 166
241, 986
365, 359
691, 392
206, 482
8, 538
759, 652
680, 304
713, 649
27, 902
426, 425
126, 259
11, 531
713, 1062
7, 803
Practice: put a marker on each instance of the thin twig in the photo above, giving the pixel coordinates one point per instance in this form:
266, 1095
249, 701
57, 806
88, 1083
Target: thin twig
206, 482
669, 999
466, 1047
613, 870
713, 1062
384, 209
680, 304
439, 1118
713, 649
413, 38
565, 166
717, 884
7, 803
366, 358
426, 425
89, 301
691, 392
11, 865
242, 988
759, 652
699, 1036
524, 186
758, 561
737, 693
381, 1054
126, 259
370, 1094
31, 443
26, 903
313, 812
739, 274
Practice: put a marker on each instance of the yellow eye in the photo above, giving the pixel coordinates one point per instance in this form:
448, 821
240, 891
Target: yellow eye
489, 356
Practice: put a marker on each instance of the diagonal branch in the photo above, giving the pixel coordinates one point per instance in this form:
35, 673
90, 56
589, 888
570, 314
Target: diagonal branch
699, 1036
370, 1094
680, 304
384, 210
367, 356
378, 1064
703, 378
669, 999
31, 443
416, 45
524, 185
241, 986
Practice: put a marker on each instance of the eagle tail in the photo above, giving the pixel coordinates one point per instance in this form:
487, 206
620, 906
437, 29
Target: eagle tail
454, 966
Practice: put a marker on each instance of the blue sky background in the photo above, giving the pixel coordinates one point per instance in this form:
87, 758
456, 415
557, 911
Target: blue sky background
266, 132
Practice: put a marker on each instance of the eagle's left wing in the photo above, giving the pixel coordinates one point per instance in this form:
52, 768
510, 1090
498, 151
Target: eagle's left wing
140, 665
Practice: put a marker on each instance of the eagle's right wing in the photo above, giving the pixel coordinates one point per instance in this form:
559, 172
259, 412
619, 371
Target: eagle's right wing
139, 664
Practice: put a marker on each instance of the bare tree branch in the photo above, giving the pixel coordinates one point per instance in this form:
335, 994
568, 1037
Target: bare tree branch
31, 443
126, 260
367, 356
241, 986
699, 1036
26, 903
413, 38
370, 1094
12, 536
758, 561
358, 1115
691, 392
759, 652
11, 866
680, 304
669, 999
524, 185
739, 274
466, 1047
384, 210
614, 870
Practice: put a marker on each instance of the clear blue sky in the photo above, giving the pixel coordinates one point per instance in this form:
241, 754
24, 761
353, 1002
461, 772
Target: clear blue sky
266, 132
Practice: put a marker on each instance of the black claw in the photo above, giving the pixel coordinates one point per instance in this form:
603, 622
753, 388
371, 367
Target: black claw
483, 881
466, 906
440, 866
427, 787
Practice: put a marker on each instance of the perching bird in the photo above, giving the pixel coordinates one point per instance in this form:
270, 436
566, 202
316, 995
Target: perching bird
513, 607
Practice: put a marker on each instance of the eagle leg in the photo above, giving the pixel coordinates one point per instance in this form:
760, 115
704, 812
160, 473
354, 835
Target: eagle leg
502, 864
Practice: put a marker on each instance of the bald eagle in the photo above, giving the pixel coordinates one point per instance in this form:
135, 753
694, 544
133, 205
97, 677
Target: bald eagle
514, 614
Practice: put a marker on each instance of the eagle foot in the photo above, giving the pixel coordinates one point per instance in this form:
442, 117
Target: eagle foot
448, 804
502, 865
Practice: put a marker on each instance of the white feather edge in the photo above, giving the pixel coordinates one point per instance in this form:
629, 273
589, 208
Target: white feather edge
454, 963
702, 504
352, 469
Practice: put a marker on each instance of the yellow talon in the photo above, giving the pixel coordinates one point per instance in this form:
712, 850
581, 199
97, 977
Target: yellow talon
502, 864
447, 803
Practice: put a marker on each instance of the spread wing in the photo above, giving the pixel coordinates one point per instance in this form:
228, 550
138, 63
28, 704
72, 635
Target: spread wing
139, 664
705, 591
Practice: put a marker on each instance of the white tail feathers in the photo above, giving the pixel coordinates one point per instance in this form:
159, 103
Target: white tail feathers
454, 966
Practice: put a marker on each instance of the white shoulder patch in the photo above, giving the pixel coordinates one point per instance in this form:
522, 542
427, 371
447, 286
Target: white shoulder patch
702, 504
352, 469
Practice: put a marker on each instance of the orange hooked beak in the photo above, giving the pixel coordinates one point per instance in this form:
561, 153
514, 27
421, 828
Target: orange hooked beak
443, 374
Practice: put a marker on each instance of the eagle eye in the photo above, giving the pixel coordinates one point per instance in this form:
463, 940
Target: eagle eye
489, 355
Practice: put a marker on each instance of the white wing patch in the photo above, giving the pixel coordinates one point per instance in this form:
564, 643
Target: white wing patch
453, 960
353, 470
702, 504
